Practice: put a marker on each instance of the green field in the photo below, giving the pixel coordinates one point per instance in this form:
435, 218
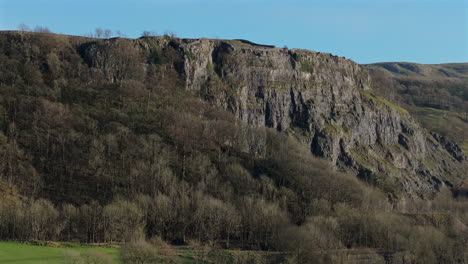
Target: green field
18, 253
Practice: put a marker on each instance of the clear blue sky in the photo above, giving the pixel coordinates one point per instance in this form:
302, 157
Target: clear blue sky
424, 31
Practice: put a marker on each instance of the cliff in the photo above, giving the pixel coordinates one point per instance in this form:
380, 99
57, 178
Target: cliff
324, 100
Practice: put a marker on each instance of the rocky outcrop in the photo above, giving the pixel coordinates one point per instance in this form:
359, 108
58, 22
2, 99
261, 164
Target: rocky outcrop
324, 100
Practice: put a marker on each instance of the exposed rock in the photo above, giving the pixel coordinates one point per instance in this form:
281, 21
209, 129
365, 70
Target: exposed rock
450, 146
324, 100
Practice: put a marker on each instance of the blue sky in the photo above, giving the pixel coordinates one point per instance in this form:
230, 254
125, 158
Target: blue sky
424, 31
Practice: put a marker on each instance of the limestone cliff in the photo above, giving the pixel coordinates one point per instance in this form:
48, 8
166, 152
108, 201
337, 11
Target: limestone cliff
324, 100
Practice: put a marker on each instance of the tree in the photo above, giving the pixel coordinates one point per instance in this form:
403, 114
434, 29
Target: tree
107, 33
42, 29
24, 27
149, 33
69, 216
124, 219
44, 220
162, 216
99, 32
141, 252
261, 223
87, 257
120, 34
210, 221
169, 33
92, 222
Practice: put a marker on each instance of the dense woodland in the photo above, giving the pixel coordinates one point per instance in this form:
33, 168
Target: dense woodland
90, 158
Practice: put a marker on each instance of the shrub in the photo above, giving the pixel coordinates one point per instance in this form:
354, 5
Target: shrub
142, 252
87, 257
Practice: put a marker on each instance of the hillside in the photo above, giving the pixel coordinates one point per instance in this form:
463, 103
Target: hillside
323, 100
222, 143
437, 95
328, 103
407, 69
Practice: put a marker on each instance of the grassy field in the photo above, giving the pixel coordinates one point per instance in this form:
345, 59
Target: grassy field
18, 253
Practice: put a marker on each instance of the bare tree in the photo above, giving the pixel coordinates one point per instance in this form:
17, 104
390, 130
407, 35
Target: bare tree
124, 219
24, 27
171, 34
107, 33
140, 252
99, 32
149, 33
120, 34
41, 29
89, 256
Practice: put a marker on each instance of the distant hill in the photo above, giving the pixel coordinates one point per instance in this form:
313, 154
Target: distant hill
408, 69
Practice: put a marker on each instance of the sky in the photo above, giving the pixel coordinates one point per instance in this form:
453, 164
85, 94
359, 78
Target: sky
366, 31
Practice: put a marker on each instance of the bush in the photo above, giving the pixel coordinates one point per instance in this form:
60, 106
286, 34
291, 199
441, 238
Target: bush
142, 252
87, 257
124, 219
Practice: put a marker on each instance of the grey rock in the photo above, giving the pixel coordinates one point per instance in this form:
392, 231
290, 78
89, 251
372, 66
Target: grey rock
324, 100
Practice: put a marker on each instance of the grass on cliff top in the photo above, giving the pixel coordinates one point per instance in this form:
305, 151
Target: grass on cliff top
448, 123
380, 100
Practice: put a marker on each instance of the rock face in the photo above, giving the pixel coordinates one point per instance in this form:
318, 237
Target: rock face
324, 100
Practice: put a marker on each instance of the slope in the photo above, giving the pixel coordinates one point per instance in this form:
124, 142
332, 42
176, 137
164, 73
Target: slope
210, 141
325, 101
437, 95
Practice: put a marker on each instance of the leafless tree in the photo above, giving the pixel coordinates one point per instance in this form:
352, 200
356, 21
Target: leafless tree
170, 34
120, 34
24, 27
99, 32
149, 33
107, 33
41, 29
140, 252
